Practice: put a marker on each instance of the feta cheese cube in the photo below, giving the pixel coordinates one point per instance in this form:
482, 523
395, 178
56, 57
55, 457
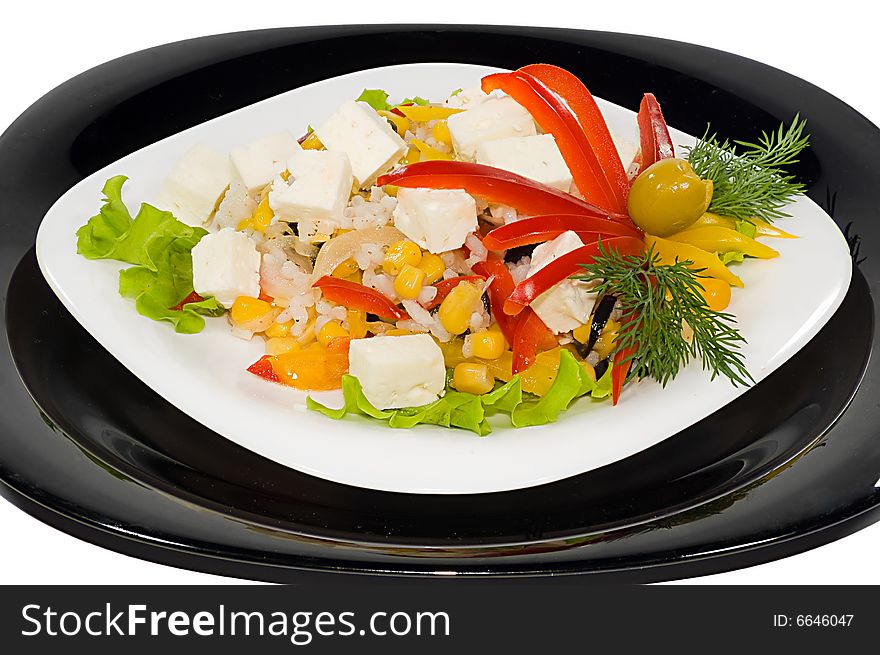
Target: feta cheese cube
395, 372
259, 162
495, 118
316, 192
195, 184
370, 142
226, 265
436, 219
535, 157
566, 305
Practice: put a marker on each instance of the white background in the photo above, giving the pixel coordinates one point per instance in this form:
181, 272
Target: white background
44, 44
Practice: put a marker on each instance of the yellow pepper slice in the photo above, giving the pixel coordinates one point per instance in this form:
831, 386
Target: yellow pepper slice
430, 154
312, 142
401, 124
670, 251
261, 218
715, 238
762, 228
425, 113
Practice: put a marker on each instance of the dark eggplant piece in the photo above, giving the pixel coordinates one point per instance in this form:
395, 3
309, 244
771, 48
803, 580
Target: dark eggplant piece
601, 367
513, 255
601, 313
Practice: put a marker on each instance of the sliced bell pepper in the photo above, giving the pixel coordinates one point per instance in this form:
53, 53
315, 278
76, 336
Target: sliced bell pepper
357, 296
556, 118
494, 185
425, 113
619, 370
582, 103
717, 238
445, 286
500, 288
671, 251
429, 153
762, 228
263, 368
530, 336
543, 228
564, 267
653, 133
193, 297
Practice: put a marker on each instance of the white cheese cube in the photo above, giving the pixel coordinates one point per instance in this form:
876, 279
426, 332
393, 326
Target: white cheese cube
370, 142
259, 162
195, 184
495, 118
436, 219
568, 304
316, 192
535, 157
226, 265
395, 372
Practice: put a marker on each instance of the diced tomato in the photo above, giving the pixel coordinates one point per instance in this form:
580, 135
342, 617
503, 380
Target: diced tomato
263, 368
530, 336
500, 288
193, 297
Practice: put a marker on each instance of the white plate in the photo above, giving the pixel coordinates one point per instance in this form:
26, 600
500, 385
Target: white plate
785, 303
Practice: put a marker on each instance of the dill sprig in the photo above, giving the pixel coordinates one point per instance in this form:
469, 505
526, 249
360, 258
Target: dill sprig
751, 182
657, 300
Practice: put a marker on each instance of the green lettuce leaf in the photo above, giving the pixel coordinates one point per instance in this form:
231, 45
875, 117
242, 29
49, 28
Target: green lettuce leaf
418, 100
746, 227
160, 246
734, 256
572, 381
376, 98
602, 387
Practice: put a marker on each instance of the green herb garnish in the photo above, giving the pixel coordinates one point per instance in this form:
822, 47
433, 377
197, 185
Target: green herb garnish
657, 300
751, 183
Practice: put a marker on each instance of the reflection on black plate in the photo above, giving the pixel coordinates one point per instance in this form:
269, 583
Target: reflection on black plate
112, 455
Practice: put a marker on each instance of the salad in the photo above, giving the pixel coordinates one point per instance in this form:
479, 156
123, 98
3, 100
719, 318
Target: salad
496, 252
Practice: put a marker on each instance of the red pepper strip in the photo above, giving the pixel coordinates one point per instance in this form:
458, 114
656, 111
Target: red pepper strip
555, 117
619, 370
263, 368
584, 106
499, 290
193, 297
493, 185
445, 286
395, 110
357, 296
564, 267
543, 228
529, 336
653, 133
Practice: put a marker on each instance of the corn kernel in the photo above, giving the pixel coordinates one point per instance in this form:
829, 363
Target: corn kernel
433, 266
357, 324
408, 283
279, 329
457, 308
440, 131
281, 345
400, 253
346, 269
312, 142
605, 342
488, 344
329, 331
391, 190
246, 309
261, 217
472, 377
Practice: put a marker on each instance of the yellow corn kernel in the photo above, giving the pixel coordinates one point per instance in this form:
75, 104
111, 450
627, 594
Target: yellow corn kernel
279, 329
261, 217
605, 342
433, 266
281, 345
488, 344
409, 282
329, 331
399, 254
285, 175
457, 308
401, 124
412, 155
357, 324
429, 153
398, 332
246, 309
391, 190
440, 131
346, 269
312, 142
472, 377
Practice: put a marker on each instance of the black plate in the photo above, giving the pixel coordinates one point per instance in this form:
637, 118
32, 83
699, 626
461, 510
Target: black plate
107, 459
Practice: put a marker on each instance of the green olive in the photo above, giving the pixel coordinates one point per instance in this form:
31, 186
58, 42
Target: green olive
667, 197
